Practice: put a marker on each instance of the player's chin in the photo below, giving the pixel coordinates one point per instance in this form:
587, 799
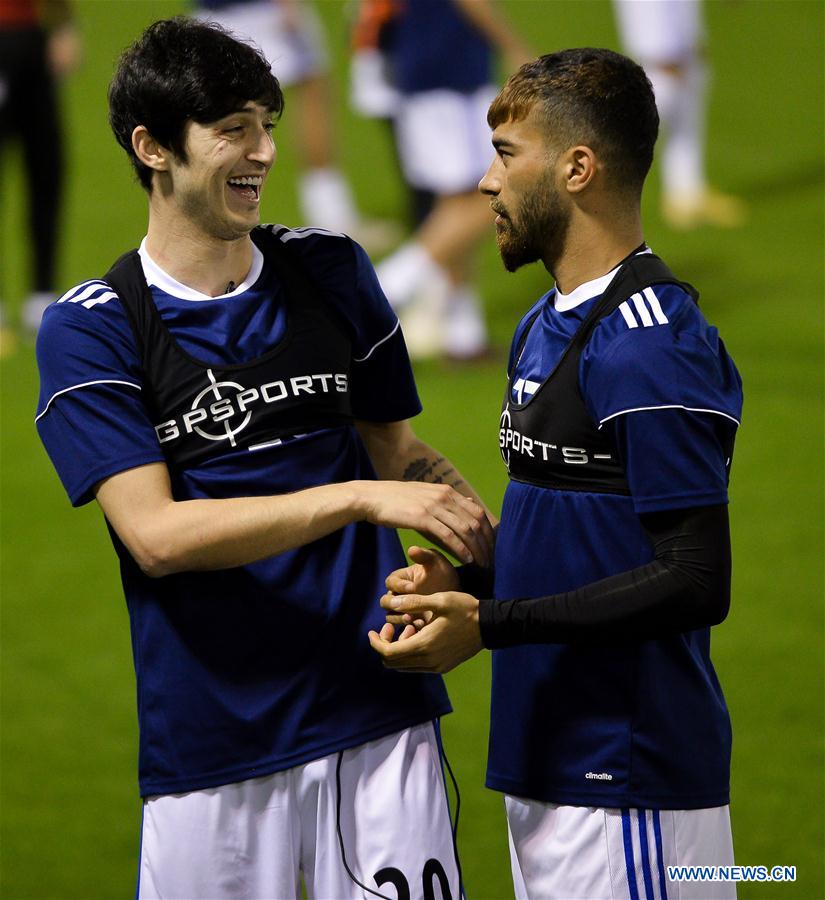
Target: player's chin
238, 226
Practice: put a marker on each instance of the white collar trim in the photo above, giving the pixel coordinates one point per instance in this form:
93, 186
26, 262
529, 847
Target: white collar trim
156, 277
586, 291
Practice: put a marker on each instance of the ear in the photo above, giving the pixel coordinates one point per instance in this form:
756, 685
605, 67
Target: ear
580, 165
149, 151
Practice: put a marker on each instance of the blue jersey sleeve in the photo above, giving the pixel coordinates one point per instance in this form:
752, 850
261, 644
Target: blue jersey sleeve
673, 459
90, 414
658, 368
671, 399
383, 387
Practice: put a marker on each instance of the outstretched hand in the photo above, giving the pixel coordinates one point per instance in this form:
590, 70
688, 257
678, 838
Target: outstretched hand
438, 511
450, 636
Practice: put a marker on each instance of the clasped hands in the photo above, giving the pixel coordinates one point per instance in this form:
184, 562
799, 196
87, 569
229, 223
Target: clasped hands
439, 624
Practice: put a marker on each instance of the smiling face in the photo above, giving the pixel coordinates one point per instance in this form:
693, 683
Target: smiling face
217, 188
532, 216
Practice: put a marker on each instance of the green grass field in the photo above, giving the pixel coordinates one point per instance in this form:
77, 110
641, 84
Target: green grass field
69, 806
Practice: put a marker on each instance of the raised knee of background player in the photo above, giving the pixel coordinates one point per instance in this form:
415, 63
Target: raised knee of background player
442, 140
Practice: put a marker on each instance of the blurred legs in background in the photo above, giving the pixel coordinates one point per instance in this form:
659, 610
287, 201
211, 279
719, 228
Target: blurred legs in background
31, 60
667, 38
290, 35
403, 70
443, 143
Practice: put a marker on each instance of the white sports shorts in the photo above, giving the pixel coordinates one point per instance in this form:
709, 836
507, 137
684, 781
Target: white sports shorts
259, 838
585, 853
443, 139
660, 32
289, 35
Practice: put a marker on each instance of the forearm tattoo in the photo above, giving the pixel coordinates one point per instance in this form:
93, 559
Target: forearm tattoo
434, 471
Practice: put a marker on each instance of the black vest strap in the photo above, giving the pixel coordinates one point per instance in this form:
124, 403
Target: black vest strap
201, 411
551, 440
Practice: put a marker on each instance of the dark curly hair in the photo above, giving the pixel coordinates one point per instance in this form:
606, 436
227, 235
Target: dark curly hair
181, 69
593, 97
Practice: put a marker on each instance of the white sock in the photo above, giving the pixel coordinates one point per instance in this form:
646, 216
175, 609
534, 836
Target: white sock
681, 105
465, 332
326, 200
407, 272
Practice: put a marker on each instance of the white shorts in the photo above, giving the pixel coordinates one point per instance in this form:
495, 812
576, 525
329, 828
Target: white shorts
660, 32
259, 838
443, 139
575, 852
295, 49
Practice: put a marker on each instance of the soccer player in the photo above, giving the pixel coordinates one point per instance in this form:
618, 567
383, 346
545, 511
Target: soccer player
609, 732
667, 38
229, 394
39, 46
441, 138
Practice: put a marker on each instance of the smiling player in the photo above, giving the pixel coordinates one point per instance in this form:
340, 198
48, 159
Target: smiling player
228, 393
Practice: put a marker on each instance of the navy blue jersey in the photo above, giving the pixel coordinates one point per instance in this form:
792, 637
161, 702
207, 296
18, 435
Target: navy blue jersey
245, 671
640, 724
432, 46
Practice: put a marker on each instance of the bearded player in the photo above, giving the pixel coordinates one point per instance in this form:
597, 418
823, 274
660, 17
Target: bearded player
609, 736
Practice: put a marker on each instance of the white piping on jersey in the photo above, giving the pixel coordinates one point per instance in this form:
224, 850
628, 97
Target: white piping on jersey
74, 387
623, 412
103, 298
651, 298
276, 443
642, 311
624, 309
85, 290
376, 346
297, 233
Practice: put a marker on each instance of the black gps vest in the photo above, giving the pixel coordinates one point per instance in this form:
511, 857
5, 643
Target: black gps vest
201, 410
550, 440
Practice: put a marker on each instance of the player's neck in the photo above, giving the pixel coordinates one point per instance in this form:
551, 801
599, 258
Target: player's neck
204, 263
593, 247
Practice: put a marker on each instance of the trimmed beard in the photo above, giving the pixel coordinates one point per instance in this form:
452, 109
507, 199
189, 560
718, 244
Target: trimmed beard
538, 230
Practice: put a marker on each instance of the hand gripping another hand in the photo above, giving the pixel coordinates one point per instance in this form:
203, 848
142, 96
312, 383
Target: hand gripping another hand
440, 624
437, 511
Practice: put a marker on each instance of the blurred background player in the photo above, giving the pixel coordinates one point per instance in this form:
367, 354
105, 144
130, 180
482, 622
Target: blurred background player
290, 36
39, 44
667, 38
442, 141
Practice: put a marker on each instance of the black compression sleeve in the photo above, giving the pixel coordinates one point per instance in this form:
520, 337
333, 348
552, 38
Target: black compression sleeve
685, 586
476, 580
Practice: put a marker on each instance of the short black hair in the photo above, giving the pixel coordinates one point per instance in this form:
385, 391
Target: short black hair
181, 69
589, 96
